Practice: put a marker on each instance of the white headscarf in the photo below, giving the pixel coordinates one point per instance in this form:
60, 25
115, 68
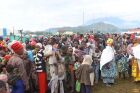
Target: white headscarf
40, 45
87, 60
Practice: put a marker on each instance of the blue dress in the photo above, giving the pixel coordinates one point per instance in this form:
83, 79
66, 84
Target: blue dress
109, 72
18, 87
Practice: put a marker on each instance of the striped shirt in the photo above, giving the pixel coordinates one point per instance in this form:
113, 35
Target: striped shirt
39, 61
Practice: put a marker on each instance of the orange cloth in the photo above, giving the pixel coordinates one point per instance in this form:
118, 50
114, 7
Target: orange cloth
135, 70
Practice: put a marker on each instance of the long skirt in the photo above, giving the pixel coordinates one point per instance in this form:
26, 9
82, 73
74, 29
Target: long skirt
85, 88
109, 72
42, 82
135, 69
18, 87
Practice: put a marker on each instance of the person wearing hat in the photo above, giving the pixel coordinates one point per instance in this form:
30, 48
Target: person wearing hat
16, 69
107, 64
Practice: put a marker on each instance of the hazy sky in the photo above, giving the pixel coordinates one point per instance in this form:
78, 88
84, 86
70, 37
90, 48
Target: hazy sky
42, 14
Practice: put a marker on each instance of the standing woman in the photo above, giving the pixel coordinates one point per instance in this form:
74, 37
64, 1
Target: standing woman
83, 74
136, 60
40, 68
108, 67
15, 67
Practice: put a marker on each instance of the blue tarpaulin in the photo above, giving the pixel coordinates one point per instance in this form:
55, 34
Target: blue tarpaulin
4, 32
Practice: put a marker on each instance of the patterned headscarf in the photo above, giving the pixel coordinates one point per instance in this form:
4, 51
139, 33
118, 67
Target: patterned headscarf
109, 41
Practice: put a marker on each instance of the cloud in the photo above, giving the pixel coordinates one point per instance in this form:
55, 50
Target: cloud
42, 14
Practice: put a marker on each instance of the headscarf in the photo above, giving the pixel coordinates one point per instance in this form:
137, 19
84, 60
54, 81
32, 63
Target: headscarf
109, 41
87, 60
7, 57
39, 44
32, 43
132, 37
16, 46
7, 39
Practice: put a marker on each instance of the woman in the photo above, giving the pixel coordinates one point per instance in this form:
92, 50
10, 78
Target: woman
83, 74
15, 67
40, 68
96, 64
136, 61
108, 67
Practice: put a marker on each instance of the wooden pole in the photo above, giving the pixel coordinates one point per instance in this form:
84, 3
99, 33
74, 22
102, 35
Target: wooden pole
14, 33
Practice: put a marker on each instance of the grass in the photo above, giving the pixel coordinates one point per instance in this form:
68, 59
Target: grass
121, 86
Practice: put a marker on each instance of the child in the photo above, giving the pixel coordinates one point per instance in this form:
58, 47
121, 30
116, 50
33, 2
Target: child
2, 87
76, 66
4, 78
83, 74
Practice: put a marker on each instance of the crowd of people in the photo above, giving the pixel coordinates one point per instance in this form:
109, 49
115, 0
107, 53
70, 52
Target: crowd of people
67, 63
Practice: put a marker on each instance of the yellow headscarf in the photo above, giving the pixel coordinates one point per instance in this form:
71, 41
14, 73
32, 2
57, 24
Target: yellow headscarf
109, 41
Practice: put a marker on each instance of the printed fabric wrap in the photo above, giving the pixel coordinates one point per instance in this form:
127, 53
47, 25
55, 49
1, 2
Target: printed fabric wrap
123, 65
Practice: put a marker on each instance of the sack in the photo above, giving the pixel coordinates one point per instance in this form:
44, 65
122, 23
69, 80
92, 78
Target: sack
78, 86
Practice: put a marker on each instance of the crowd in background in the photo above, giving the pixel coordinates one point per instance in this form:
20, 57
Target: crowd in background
64, 63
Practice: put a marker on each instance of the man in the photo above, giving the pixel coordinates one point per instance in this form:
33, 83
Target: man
108, 69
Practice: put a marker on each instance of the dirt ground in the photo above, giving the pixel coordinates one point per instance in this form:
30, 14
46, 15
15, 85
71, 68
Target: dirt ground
121, 86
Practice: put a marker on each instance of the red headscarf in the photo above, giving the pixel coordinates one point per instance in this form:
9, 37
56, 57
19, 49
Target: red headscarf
132, 37
7, 57
16, 46
33, 43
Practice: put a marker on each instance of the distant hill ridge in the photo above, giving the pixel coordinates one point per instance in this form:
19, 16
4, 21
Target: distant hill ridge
96, 27
104, 25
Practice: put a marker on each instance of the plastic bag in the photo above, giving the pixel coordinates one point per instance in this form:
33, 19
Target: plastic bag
78, 86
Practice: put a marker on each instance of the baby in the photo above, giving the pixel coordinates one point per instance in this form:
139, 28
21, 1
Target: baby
4, 78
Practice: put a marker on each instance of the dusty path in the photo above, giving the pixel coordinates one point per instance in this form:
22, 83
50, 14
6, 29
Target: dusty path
121, 86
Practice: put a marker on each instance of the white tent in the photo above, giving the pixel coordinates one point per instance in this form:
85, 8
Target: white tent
68, 33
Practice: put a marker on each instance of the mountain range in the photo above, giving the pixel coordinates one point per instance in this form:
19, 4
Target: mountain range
97, 27
104, 25
121, 23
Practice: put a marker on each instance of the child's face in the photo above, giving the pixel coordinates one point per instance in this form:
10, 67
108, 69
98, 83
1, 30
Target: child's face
37, 48
70, 51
